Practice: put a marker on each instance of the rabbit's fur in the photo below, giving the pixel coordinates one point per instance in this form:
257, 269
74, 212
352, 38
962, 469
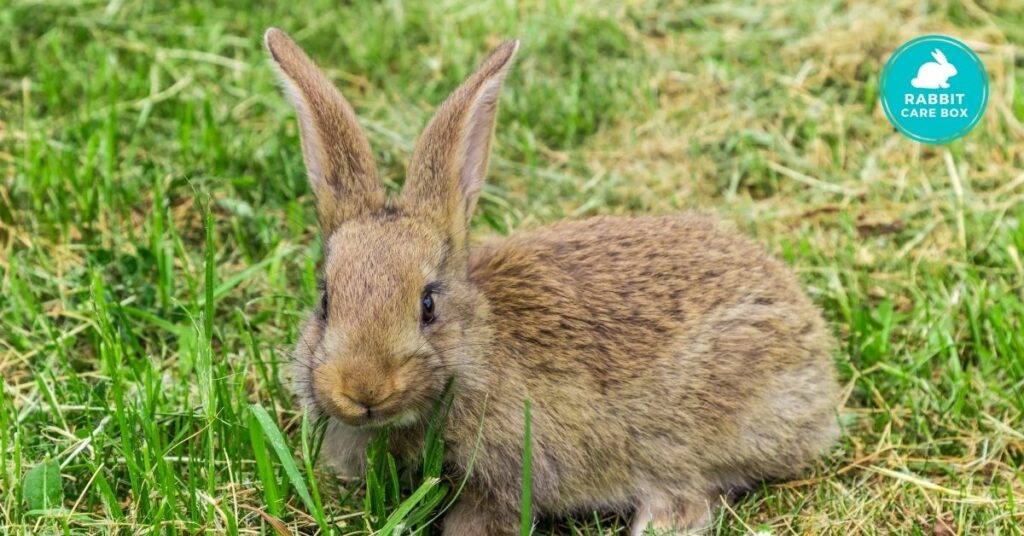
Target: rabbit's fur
669, 360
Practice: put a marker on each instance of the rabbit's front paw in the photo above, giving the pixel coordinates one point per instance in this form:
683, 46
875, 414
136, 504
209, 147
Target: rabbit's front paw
470, 517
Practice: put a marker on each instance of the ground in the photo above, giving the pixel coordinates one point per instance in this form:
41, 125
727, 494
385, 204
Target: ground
136, 340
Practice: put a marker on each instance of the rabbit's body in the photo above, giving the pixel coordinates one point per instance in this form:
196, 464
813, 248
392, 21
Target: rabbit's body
668, 361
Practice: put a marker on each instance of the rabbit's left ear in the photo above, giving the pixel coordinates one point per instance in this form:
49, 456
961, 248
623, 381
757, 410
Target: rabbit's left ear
939, 56
447, 169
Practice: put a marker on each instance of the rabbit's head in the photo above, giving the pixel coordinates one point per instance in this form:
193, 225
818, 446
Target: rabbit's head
397, 315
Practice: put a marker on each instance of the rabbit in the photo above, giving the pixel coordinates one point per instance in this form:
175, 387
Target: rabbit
934, 74
670, 362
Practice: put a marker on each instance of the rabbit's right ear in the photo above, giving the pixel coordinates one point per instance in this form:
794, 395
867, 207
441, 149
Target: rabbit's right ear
939, 56
338, 158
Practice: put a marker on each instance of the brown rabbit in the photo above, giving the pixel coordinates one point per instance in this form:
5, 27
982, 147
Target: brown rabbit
669, 361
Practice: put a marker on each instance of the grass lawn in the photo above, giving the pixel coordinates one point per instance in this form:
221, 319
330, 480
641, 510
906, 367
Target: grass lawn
158, 243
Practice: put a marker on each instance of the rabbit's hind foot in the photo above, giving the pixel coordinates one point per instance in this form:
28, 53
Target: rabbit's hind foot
663, 515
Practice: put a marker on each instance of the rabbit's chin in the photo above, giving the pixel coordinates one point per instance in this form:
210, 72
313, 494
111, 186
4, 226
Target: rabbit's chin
400, 419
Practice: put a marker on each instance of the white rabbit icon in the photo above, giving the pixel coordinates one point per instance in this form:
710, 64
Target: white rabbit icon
934, 74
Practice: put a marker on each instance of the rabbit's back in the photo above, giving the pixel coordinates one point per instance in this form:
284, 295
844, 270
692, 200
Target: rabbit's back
653, 348
635, 285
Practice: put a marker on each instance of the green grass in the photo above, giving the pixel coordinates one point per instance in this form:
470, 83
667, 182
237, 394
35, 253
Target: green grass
158, 242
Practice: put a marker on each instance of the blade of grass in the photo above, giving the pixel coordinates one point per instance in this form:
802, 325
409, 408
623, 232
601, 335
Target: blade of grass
396, 518
307, 454
526, 515
284, 454
264, 467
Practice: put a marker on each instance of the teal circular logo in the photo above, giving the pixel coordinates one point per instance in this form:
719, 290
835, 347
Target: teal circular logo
934, 89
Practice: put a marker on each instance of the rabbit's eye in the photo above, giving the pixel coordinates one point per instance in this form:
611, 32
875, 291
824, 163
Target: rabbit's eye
427, 315
323, 305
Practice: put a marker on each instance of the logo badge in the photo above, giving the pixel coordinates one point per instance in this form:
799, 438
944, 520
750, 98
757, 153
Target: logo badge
934, 89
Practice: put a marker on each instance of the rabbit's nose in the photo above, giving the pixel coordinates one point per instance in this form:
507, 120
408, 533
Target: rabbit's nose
365, 394
353, 408
364, 401
359, 402
353, 390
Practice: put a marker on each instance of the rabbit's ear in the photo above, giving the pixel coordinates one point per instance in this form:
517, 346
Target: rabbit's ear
446, 173
337, 154
939, 56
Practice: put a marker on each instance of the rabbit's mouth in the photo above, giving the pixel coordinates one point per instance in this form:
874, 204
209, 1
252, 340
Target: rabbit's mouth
358, 413
391, 411
385, 417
